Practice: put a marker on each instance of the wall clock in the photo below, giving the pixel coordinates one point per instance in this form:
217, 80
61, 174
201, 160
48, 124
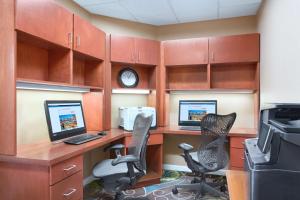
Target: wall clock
128, 78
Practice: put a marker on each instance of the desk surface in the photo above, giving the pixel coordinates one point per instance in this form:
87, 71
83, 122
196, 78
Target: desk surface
47, 153
237, 185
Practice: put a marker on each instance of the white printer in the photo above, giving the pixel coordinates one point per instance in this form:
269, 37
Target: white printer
127, 116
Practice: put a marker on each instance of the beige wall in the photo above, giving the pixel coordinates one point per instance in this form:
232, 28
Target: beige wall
31, 119
278, 23
230, 26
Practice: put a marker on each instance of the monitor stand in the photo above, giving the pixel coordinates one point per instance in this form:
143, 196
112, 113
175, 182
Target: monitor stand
190, 128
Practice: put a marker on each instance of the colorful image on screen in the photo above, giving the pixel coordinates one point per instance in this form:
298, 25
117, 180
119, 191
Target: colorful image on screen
196, 115
68, 121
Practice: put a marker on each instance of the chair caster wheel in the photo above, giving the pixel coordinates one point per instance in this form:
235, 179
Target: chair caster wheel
174, 191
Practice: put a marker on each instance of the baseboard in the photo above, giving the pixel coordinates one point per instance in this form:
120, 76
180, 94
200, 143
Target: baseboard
88, 180
182, 168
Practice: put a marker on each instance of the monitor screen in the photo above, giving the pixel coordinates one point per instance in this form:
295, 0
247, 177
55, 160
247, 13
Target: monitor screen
64, 119
265, 137
192, 111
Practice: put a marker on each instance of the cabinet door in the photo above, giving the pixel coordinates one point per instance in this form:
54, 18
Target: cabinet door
88, 39
45, 19
186, 52
122, 49
239, 48
147, 51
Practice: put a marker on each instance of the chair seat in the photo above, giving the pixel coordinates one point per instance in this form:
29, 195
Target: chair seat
105, 168
207, 158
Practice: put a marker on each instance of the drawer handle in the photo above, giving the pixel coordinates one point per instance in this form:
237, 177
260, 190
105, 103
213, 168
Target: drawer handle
243, 143
70, 193
242, 158
69, 168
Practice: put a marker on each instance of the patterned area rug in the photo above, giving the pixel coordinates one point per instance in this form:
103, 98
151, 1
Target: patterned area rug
162, 191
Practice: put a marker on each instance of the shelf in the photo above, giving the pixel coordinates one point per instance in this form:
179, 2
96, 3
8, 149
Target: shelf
40, 60
213, 90
53, 86
191, 77
234, 76
147, 75
87, 71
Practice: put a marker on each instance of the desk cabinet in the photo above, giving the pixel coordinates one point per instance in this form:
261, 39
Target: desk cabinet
186, 52
88, 39
45, 19
237, 158
134, 50
237, 48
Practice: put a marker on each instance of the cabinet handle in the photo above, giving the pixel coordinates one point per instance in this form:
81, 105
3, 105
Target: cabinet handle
77, 41
70, 39
138, 56
243, 143
70, 193
69, 168
242, 158
213, 56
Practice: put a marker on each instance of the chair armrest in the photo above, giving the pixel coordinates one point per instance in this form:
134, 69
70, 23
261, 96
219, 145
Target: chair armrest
185, 147
125, 159
114, 147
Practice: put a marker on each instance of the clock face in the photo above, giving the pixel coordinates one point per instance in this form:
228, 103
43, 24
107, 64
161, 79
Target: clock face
128, 78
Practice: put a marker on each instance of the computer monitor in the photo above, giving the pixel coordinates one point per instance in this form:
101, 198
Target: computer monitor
192, 111
64, 119
265, 137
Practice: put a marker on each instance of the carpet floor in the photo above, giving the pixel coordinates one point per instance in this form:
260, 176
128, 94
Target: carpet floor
162, 191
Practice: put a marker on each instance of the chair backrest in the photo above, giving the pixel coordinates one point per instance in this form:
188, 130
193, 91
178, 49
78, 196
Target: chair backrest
140, 136
218, 127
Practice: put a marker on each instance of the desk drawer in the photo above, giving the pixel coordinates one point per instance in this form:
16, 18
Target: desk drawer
70, 188
64, 169
237, 157
153, 139
237, 142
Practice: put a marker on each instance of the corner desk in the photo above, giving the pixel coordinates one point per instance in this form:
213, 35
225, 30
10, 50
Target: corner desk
55, 171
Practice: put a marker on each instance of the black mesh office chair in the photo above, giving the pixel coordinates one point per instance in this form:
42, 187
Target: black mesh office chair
123, 172
209, 157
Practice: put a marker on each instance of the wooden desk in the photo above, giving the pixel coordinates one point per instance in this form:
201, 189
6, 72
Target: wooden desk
45, 170
237, 185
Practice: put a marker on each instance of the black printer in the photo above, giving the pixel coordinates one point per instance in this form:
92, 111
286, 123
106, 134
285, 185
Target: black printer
273, 159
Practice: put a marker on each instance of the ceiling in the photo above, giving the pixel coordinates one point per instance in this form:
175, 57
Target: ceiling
163, 12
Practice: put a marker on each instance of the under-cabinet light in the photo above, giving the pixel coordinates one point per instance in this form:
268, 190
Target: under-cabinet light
45, 87
130, 91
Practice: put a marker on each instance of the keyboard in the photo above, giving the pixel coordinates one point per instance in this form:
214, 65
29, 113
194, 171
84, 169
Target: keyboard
190, 128
82, 139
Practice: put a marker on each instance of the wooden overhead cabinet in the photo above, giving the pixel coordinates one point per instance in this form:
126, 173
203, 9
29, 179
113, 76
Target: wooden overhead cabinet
186, 52
237, 48
134, 50
45, 19
88, 39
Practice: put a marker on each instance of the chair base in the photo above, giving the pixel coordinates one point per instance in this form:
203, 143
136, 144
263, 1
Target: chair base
201, 187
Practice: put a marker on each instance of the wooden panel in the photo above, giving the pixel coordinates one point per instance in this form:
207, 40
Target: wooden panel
237, 168
238, 187
34, 68
65, 169
107, 87
237, 142
153, 140
93, 110
70, 188
7, 79
234, 76
45, 19
147, 51
238, 48
187, 77
122, 49
237, 157
21, 181
186, 52
145, 74
88, 39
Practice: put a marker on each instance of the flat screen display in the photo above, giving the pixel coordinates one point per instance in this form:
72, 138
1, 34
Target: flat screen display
265, 137
191, 112
64, 119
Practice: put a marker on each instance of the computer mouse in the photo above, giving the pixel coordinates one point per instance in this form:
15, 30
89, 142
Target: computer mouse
101, 133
